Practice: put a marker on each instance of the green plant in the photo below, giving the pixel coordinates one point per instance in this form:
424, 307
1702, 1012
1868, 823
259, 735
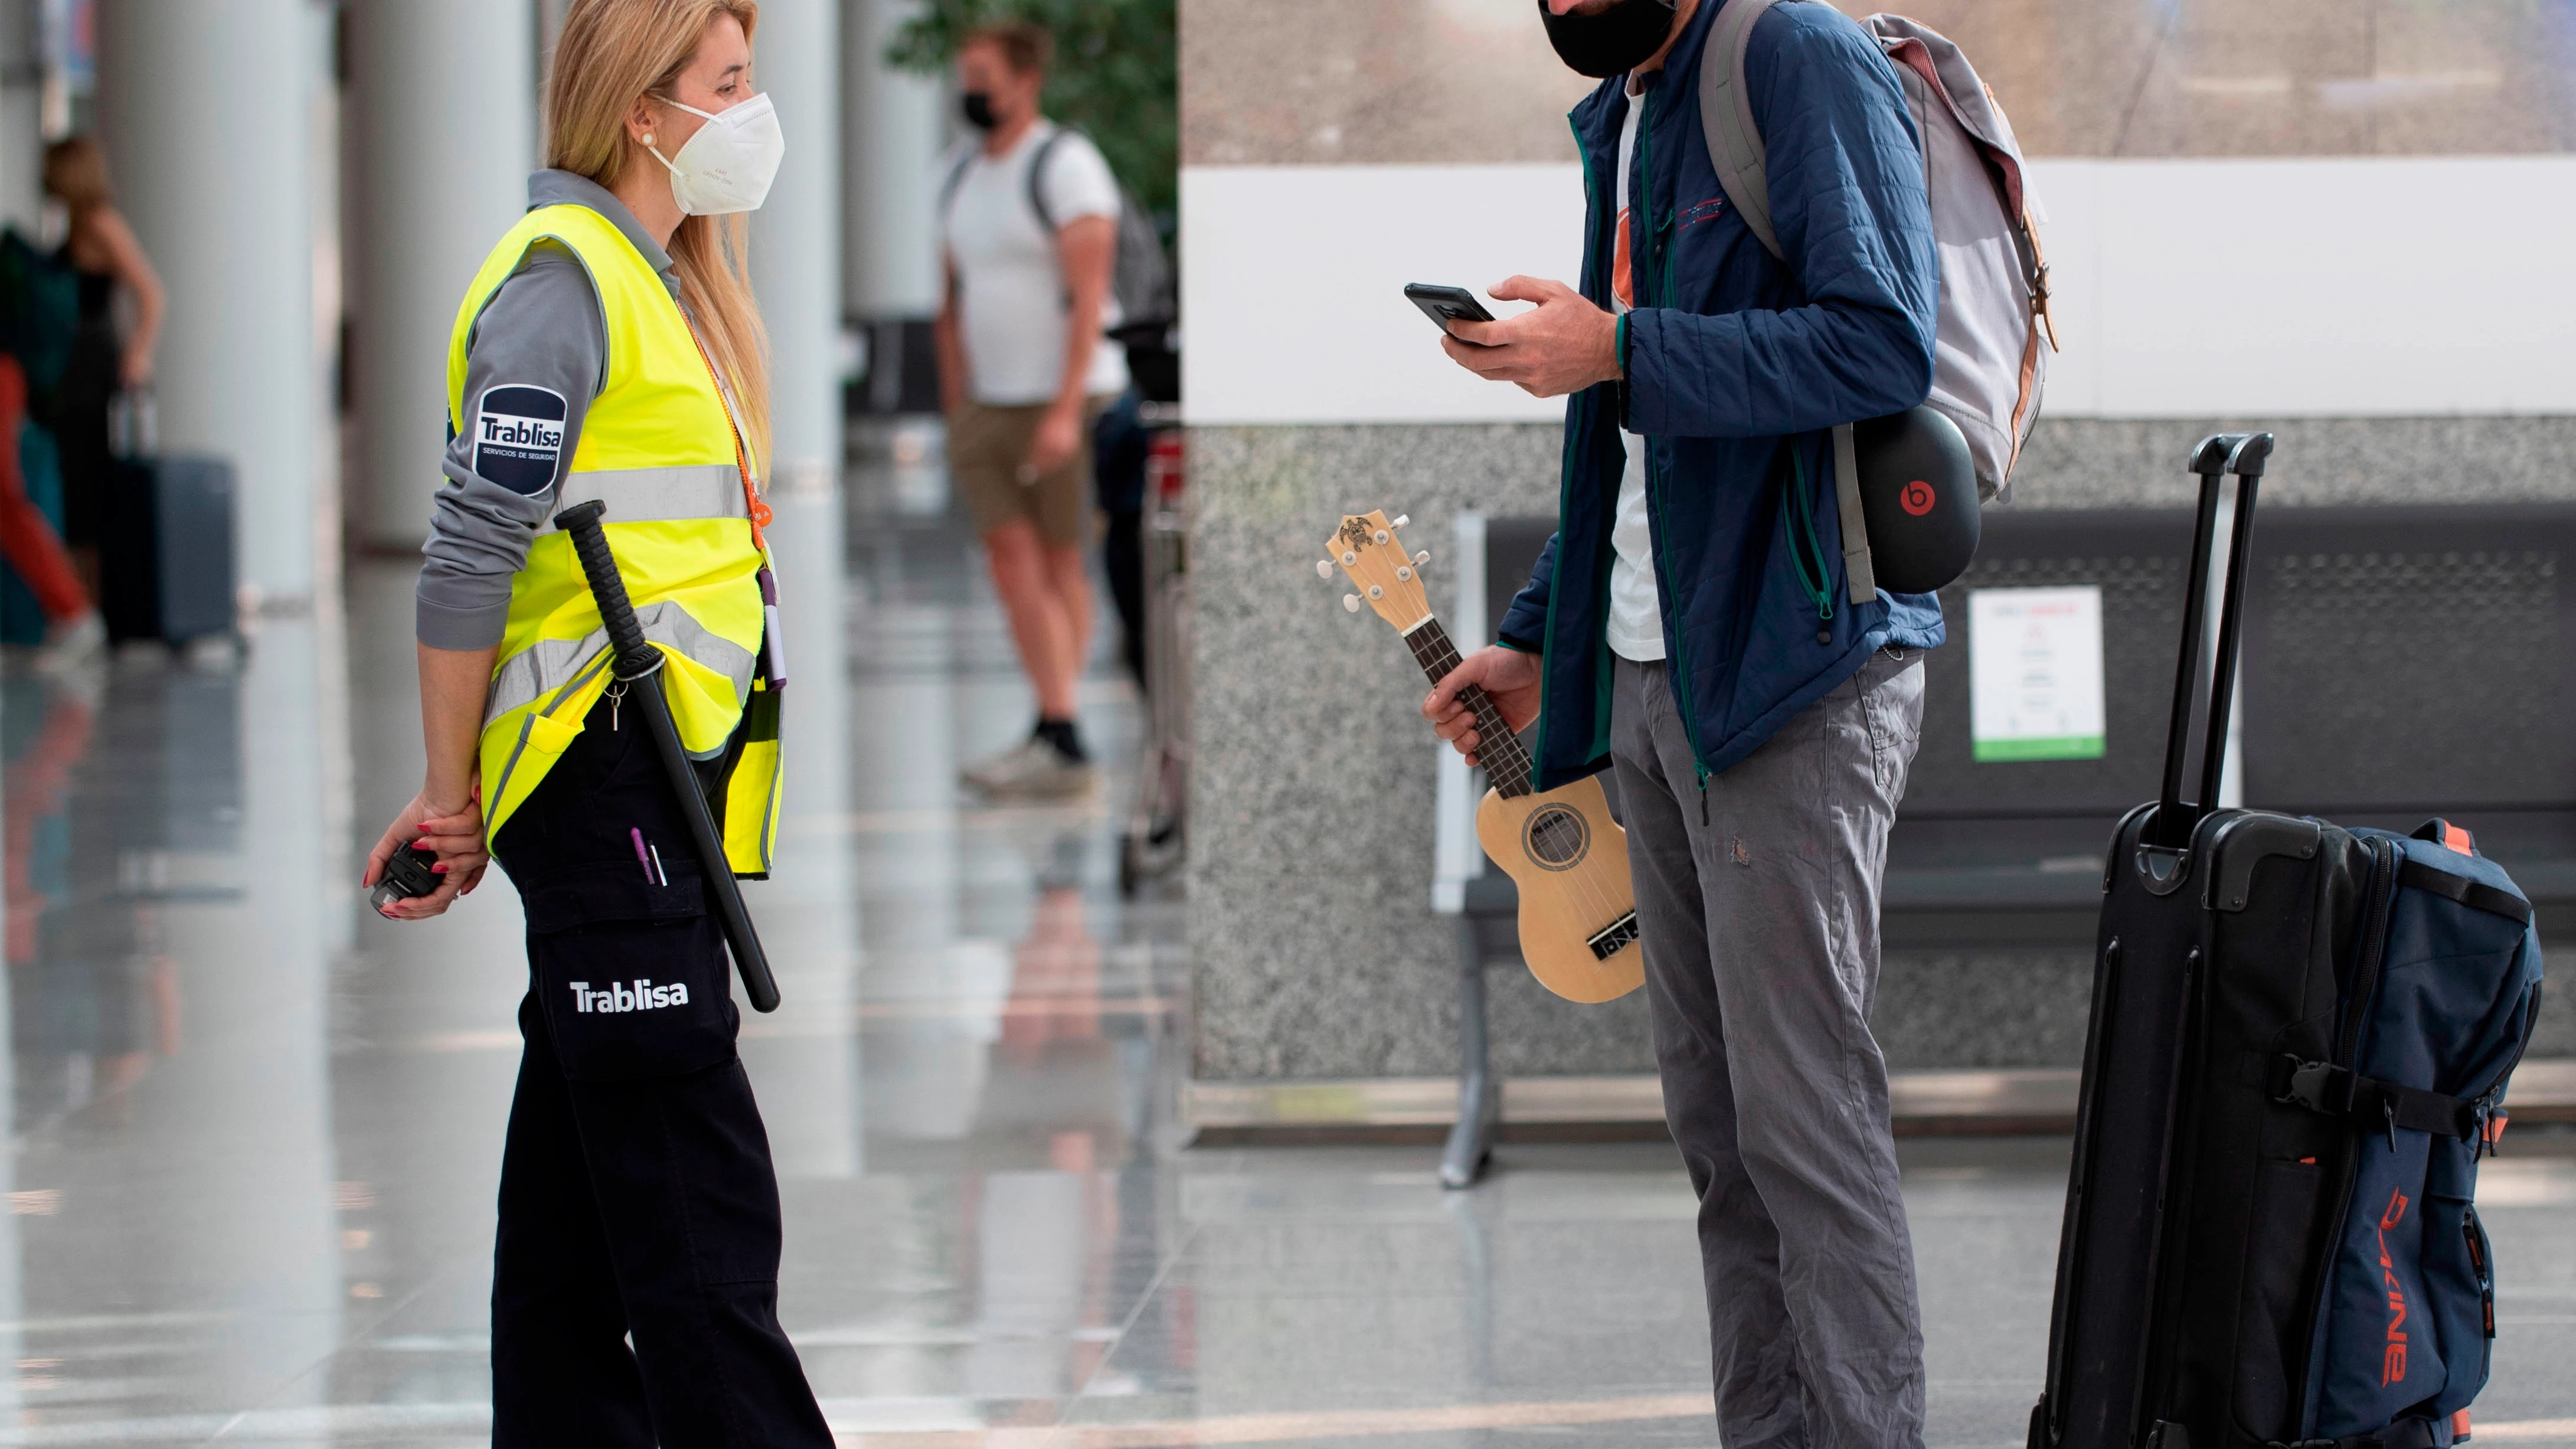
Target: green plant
1116, 75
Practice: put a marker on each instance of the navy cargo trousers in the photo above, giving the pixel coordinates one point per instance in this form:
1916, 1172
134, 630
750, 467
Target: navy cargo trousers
637, 1196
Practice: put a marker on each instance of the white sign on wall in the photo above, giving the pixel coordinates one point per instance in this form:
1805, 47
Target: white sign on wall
2035, 673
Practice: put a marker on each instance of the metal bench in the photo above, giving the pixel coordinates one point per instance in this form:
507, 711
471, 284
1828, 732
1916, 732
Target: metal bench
2399, 663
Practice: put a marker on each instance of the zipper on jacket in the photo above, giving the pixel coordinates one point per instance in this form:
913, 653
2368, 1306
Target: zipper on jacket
1801, 524
1677, 668
2378, 902
1582, 403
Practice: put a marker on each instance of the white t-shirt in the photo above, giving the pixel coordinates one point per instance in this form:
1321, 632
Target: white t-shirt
1010, 285
1636, 628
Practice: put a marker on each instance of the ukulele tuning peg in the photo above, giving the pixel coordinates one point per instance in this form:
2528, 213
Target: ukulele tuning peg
1402, 519
1379, 537
1404, 572
1422, 558
1323, 568
1376, 592
1349, 558
1350, 603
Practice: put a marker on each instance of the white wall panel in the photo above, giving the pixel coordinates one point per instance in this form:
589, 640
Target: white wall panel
2318, 287
1292, 281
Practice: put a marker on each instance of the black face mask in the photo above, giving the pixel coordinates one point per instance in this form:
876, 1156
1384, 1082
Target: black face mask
1613, 42
978, 106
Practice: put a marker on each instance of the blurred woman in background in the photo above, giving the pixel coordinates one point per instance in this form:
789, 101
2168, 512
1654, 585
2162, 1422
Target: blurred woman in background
101, 248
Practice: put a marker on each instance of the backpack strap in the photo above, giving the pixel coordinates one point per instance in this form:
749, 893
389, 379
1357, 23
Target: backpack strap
2408, 1433
956, 178
2340, 1092
2476, 895
1726, 118
1735, 151
1857, 568
1037, 175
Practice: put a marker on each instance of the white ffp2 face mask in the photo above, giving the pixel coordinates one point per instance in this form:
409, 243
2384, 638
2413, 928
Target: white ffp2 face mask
728, 165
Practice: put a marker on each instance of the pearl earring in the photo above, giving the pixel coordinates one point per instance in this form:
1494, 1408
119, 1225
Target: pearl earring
648, 138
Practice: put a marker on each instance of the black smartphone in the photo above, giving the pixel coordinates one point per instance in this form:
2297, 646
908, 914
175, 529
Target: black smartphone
1444, 305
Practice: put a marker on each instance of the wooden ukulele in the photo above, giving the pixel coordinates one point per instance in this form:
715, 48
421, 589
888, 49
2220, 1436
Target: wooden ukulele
1569, 858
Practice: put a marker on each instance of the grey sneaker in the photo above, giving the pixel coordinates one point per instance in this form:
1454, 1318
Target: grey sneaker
1033, 768
70, 643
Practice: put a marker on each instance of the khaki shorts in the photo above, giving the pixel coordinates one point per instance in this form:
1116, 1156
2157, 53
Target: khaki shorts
987, 445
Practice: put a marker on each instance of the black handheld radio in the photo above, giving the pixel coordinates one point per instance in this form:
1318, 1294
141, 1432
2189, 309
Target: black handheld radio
406, 877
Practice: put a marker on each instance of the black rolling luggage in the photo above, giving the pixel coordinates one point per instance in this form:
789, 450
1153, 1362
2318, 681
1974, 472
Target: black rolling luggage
166, 553
2299, 1046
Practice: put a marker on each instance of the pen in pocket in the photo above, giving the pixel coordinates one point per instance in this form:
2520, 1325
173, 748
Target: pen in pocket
642, 858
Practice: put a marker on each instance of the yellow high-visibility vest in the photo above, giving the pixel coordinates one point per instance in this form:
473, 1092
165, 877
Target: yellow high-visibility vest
660, 446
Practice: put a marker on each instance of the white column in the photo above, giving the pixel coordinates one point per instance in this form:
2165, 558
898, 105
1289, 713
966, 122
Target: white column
22, 145
894, 138
214, 171
804, 1060
796, 234
442, 122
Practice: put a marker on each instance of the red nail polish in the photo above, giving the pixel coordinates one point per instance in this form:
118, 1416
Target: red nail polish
439, 869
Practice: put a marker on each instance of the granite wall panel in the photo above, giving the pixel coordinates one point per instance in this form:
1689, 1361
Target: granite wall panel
1354, 81
1315, 947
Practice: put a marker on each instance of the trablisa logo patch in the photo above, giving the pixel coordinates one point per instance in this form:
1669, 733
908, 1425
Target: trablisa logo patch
639, 995
518, 436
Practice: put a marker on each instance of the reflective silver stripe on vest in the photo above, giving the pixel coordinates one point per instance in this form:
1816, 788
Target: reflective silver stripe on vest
550, 664
649, 495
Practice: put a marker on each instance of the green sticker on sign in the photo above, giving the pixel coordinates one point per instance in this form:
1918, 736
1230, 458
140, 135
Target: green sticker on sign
2035, 674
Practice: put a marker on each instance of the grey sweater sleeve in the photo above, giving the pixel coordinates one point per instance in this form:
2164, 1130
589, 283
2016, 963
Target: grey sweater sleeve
532, 368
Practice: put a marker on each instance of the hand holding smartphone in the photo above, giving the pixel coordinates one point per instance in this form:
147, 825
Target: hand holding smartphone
1444, 305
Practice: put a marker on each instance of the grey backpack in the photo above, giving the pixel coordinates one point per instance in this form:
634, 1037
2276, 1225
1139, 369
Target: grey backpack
1995, 334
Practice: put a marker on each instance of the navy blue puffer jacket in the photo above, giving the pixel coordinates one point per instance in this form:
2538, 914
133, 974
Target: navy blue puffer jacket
1737, 366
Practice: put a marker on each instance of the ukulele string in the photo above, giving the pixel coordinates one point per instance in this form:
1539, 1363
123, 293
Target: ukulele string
1504, 758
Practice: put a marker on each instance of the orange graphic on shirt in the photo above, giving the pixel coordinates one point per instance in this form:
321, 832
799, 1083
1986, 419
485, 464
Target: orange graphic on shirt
1620, 286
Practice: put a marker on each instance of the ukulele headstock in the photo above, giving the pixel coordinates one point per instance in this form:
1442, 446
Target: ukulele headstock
1366, 548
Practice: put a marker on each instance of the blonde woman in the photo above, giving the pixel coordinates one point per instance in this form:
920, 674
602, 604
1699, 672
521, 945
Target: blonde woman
610, 350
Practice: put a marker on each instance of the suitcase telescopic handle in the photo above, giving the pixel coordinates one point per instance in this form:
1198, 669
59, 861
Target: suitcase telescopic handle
2209, 460
2245, 460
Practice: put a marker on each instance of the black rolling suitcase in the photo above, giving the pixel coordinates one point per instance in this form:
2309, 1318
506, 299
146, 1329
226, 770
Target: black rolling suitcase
2299, 1046
166, 553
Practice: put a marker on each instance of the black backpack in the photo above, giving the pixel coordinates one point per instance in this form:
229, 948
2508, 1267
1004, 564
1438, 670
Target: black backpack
39, 310
1140, 278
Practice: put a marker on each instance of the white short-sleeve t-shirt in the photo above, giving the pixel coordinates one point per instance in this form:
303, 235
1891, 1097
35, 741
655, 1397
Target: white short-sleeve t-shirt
1011, 293
1636, 623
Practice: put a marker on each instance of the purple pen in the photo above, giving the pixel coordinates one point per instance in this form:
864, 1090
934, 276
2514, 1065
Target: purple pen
643, 855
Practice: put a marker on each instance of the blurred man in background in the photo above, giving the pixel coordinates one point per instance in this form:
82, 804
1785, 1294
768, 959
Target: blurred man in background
1029, 229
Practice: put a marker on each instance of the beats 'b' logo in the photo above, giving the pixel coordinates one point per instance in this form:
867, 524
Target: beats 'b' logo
1917, 498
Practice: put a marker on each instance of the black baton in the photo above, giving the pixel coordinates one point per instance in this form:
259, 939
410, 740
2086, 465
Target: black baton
634, 659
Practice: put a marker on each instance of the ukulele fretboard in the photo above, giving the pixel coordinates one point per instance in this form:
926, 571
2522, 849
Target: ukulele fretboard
1505, 762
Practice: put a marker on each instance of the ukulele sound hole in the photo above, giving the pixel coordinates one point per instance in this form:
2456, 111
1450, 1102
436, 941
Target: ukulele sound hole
1556, 837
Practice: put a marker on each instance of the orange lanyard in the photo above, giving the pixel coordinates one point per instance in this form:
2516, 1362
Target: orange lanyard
758, 510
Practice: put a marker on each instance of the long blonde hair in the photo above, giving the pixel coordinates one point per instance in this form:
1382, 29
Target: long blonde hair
611, 53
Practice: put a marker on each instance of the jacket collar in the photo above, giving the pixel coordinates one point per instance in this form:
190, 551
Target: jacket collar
557, 188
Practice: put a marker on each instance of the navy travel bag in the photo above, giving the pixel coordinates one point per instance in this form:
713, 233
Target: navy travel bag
2300, 1042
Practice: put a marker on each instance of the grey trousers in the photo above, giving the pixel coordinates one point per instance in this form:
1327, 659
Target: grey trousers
1759, 922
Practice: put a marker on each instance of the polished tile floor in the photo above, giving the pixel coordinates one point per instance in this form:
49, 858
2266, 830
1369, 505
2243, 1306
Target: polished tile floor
255, 1129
